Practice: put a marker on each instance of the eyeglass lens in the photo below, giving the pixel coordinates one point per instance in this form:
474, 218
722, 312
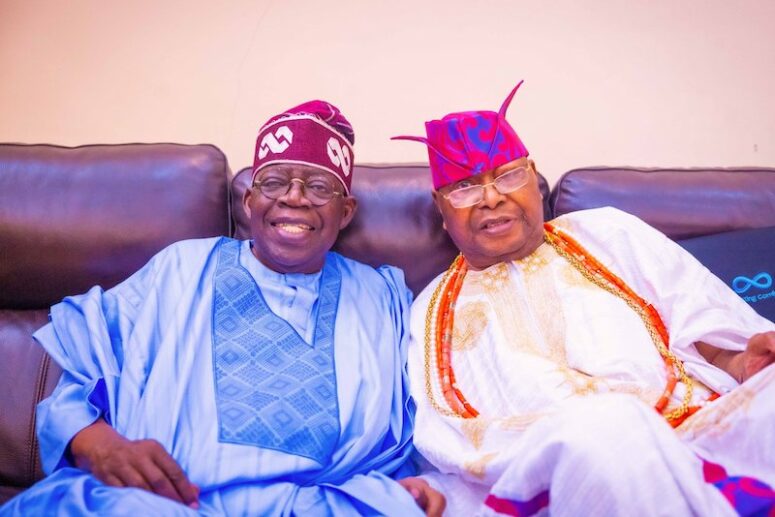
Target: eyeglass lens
317, 191
505, 183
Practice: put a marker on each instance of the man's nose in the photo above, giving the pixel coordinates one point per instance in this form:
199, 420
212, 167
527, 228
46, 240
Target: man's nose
491, 196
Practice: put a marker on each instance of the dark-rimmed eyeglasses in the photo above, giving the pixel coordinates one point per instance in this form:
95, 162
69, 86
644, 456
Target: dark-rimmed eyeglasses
317, 191
506, 183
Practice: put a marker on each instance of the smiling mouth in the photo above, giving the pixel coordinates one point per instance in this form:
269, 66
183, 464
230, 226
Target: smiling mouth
295, 228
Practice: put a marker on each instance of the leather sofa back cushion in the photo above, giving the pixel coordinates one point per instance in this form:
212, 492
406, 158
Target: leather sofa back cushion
682, 203
396, 222
71, 218
745, 261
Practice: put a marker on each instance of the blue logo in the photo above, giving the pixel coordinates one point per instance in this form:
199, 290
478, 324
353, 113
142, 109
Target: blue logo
741, 283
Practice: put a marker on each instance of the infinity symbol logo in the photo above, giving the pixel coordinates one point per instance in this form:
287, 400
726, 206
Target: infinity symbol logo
741, 284
277, 142
340, 157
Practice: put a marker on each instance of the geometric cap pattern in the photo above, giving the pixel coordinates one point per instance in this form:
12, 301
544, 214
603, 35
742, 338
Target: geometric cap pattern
467, 143
273, 390
314, 133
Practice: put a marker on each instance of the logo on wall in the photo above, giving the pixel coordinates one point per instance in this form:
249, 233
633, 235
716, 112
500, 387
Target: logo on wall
340, 156
277, 142
742, 284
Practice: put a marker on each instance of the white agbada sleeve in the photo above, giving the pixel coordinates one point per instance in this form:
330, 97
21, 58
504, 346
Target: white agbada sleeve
694, 304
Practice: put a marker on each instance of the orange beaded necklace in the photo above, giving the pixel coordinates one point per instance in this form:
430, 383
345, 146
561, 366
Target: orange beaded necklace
445, 296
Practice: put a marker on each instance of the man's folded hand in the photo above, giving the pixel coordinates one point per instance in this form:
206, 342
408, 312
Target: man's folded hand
430, 500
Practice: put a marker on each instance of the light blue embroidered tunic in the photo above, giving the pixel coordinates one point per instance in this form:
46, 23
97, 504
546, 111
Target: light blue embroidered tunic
290, 398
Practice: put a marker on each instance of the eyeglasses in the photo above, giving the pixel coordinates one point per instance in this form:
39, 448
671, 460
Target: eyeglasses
507, 182
317, 191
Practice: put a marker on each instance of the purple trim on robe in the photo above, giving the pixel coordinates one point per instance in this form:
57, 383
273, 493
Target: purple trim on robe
518, 508
748, 496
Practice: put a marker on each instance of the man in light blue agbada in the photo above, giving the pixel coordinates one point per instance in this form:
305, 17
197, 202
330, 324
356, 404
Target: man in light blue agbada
261, 377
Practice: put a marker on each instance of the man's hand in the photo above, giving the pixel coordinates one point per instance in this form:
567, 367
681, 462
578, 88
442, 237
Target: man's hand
119, 462
431, 501
758, 354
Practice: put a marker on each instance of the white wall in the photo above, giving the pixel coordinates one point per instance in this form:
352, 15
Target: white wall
651, 83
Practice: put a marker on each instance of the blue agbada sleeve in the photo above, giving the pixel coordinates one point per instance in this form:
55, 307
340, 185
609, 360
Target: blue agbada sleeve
397, 445
83, 338
373, 489
403, 297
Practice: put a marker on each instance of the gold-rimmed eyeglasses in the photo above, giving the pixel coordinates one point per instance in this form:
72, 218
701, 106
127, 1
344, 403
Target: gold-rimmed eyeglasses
470, 195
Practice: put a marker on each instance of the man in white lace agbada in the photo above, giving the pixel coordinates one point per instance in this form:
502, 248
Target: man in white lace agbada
588, 365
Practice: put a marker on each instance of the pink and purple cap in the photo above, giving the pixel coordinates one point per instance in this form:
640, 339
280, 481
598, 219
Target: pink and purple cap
468, 143
314, 133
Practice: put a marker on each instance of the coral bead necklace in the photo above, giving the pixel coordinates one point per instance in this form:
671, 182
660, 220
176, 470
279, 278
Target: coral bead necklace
440, 318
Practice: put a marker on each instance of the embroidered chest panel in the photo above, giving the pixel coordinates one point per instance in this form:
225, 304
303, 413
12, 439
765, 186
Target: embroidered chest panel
273, 390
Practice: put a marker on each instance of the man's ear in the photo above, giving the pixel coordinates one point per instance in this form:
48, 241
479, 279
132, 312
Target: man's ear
349, 207
246, 197
436, 201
